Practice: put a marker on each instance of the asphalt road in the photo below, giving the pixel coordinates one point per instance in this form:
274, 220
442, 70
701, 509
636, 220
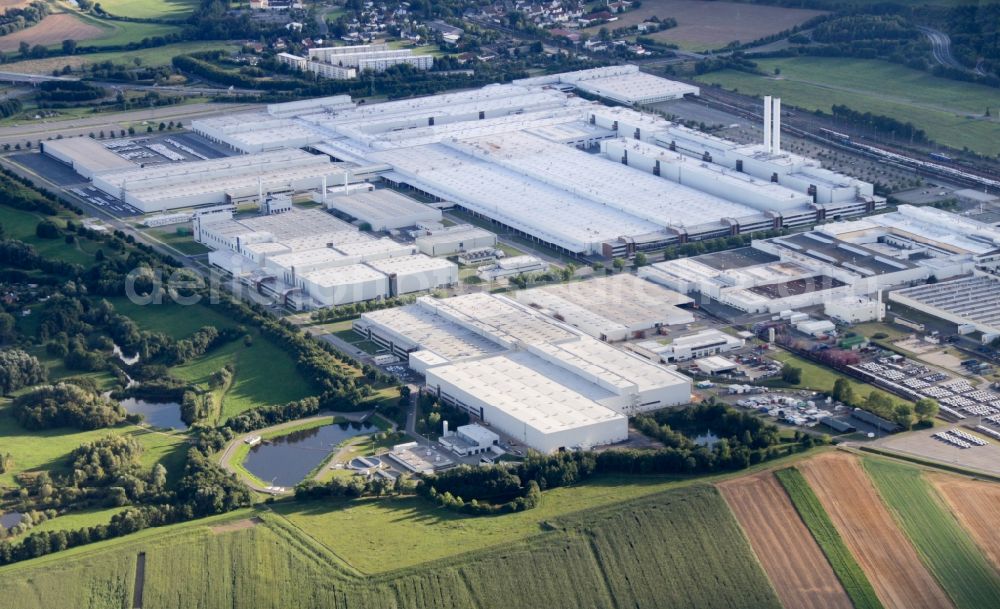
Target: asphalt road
43, 129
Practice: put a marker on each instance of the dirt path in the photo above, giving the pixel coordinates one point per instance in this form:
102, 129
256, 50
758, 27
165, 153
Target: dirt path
236, 525
140, 580
794, 562
976, 504
883, 551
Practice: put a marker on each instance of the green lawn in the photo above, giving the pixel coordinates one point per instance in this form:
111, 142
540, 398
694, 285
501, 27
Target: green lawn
949, 111
77, 520
48, 450
811, 511
124, 32
19, 224
156, 56
821, 378
150, 9
265, 375
944, 546
679, 549
184, 243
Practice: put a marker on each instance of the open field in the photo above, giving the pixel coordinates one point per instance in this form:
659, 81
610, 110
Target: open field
974, 503
51, 31
702, 26
821, 527
183, 243
156, 56
950, 111
257, 366
678, 549
48, 450
793, 561
946, 548
821, 378
869, 530
20, 224
150, 9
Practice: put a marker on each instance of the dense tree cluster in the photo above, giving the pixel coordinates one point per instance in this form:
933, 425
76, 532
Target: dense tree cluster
68, 91
480, 491
19, 369
65, 405
16, 19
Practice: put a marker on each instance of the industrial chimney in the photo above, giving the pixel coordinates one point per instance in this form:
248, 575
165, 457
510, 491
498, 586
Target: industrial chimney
772, 124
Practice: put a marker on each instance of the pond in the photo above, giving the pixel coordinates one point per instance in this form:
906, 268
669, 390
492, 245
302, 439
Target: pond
166, 415
9, 519
286, 460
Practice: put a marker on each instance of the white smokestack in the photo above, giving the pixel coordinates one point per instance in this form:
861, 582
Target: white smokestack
767, 123
324, 191
776, 126
444, 427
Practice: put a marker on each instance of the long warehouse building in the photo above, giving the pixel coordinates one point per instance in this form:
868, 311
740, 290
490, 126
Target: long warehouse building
532, 377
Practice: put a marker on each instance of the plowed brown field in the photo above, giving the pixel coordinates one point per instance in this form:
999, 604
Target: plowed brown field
868, 529
52, 30
796, 566
977, 506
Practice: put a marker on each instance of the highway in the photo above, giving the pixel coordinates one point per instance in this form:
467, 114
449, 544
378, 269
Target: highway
42, 129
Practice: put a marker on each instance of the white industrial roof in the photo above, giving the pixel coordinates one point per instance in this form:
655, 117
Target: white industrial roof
309, 258
460, 232
616, 301
417, 263
613, 366
525, 387
432, 332
375, 247
89, 153
603, 181
342, 275
377, 206
501, 319
554, 214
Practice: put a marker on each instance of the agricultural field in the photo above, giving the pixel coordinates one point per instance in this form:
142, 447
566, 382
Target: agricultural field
857, 586
945, 547
702, 26
869, 530
949, 111
152, 57
150, 9
797, 567
974, 503
85, 29
53, 30
680, 548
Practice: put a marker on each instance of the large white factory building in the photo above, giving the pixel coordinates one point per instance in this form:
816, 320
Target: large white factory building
517, 155
309, 259
530, 376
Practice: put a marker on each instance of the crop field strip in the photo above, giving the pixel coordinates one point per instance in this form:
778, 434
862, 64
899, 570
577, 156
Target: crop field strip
946, 548
975, 504
811, 512
869, 530
680, 548
796, 565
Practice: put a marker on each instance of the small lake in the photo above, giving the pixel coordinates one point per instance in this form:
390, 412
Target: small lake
166, 415
9, 519
287, 459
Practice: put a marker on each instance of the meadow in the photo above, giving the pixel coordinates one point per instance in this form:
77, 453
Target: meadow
150, 9
680, 548
944, 546
821, 378
811, 512
48, 450
949, 111
155, 56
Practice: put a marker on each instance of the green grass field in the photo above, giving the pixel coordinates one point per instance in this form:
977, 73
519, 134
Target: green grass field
678, 549
124, 32
48, 450
150, 9
19, 224
76, 520
944, 546
184, 243
949, 111
821, 378
848, 571
157, 56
